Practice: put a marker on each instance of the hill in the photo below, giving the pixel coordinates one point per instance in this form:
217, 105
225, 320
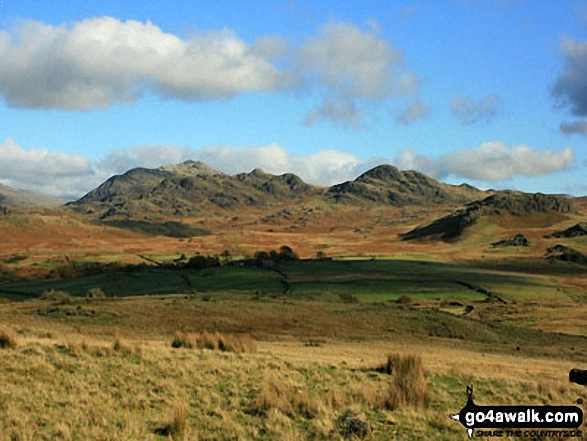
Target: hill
23, 198
506, 203
386, 184
193, 188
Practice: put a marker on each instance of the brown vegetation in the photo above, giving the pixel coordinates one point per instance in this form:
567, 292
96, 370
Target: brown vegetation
408, 387
238, 344
7, 339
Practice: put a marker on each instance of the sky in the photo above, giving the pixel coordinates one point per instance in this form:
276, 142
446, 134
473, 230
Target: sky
488, 92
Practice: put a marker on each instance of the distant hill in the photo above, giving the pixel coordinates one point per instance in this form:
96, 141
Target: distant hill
502, 203
23, 198
192, 188
386, 184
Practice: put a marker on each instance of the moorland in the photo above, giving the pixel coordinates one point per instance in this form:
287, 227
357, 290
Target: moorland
185, 303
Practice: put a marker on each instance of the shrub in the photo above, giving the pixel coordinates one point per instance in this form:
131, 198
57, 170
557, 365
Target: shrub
183, 340
405, 299
7, 339
122, 346
408, 385
95, 293
59, 296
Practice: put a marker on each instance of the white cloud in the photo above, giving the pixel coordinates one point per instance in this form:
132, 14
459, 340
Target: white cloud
469, 111
356, 64
149, 156
102, 61
98, 62
414, 112
344, 113
39, 165
325, 167
492, 161
52, 173
410, 160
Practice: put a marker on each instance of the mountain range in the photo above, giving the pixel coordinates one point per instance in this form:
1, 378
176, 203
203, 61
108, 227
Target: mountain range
193, 188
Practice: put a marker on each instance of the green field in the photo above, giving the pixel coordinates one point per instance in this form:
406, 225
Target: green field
364, 280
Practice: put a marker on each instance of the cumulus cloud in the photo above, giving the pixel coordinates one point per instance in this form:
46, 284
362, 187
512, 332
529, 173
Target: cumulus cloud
570, 88
469, 111
573, 127
356, 64
410, 160
325, 167
492, 161
102, 61
52, 173
98, 62
352, 65
39, 165
413, 112
344, 113
149, 156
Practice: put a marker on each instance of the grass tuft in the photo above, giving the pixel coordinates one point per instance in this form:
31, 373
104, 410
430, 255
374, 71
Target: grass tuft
176, 428
408, 387
239, 344
7, 339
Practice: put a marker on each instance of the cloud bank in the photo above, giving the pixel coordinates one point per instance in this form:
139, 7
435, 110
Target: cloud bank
71, 176
491, 161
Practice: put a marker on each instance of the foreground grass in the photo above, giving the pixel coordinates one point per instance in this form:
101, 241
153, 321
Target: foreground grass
62, 387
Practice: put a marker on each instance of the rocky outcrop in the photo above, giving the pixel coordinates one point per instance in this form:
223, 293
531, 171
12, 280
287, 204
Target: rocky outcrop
519, 240
575, 231
512, 203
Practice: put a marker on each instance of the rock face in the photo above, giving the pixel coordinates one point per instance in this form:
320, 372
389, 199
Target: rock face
575, 231
519, 240
513, 203
192, 188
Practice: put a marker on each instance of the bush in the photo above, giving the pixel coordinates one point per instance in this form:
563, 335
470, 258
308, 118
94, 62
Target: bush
61, 297
95, 293
7, 339
408, 385
183, 340
405, 299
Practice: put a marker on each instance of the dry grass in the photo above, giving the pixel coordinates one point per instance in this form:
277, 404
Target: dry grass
65, 388
7, 339
408, 387
239, 344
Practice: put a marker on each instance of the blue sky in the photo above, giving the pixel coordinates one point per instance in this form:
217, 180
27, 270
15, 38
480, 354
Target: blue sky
489, 92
